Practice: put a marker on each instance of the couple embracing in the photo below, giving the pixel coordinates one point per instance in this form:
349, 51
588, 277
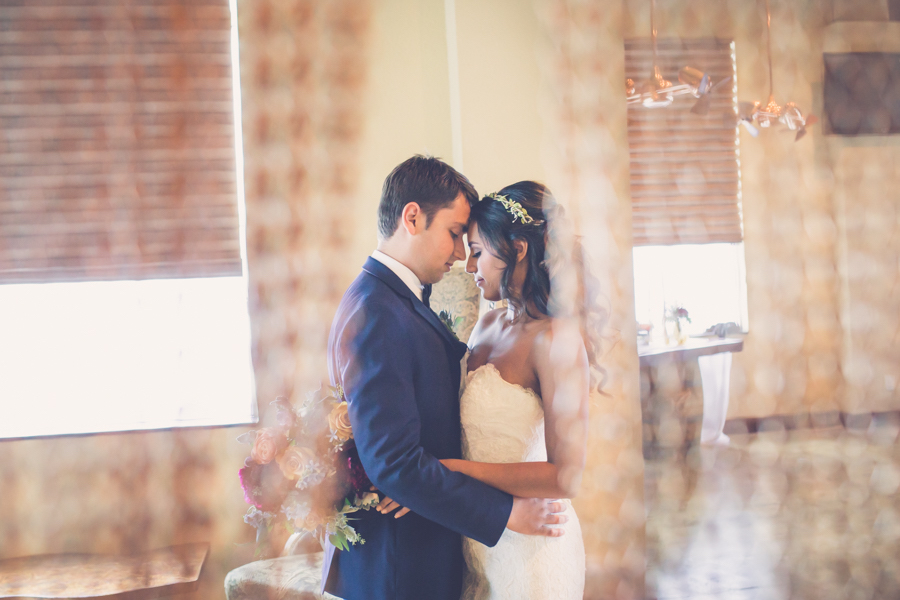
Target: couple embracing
475, 485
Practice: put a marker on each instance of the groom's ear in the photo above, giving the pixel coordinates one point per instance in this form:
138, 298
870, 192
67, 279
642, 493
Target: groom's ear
521, 247
412, 216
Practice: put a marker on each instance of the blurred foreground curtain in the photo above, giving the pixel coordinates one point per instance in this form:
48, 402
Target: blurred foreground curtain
583, 70
684, 167
117, 152
304, 68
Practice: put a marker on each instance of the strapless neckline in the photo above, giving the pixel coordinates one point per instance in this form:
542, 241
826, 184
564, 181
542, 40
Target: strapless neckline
495, 370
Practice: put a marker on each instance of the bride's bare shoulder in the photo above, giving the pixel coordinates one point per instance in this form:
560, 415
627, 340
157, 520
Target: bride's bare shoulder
484, 323
491, 316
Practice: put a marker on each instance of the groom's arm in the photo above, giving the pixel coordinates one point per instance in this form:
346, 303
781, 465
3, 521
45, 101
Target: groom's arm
376, 370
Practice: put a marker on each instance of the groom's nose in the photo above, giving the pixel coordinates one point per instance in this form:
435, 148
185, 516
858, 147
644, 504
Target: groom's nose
459, 250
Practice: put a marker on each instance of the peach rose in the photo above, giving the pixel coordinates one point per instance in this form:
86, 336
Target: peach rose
265, 446
296, 461
339, 422
311, 521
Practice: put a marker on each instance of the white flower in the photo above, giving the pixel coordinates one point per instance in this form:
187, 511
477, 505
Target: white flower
314, 475
296, 507
257, 518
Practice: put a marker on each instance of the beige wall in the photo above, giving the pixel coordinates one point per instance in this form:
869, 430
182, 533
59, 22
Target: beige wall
866, 196
867, 190
407, 104
408, 99
858, 10
501, 92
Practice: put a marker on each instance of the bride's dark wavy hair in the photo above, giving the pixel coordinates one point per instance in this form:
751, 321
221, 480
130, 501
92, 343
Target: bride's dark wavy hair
499, 230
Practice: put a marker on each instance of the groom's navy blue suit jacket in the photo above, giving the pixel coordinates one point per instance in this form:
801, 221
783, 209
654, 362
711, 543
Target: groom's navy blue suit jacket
400, 370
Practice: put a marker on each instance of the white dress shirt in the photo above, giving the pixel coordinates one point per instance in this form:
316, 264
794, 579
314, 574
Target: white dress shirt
400, 270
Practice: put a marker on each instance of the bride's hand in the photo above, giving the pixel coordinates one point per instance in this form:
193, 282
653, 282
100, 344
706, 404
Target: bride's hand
387, 505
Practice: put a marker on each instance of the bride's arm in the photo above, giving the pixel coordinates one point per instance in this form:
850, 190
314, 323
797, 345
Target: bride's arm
527, 480
562, 368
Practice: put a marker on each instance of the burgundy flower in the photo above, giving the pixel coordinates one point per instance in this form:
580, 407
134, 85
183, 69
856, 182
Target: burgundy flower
264, 485
358, 478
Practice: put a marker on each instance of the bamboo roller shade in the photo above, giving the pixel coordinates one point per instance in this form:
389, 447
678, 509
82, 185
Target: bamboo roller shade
117, 138
684, 170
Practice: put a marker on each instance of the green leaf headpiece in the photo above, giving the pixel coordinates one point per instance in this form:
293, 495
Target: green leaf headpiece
517, 211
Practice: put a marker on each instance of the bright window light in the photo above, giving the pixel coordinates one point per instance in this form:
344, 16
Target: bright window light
123, 355
102, 356
706, 279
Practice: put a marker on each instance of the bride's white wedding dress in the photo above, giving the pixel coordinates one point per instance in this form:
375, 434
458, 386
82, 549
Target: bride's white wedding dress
504, 423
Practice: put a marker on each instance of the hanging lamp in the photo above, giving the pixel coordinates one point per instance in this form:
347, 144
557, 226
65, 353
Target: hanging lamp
658, 92
771, 114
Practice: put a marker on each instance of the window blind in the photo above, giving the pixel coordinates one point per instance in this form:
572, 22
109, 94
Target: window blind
684, 170
117, 155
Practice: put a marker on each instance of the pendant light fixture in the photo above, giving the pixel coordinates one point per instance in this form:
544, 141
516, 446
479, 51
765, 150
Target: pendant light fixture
658, 92
772, 114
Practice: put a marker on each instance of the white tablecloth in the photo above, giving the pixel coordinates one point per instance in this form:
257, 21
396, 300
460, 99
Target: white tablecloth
715, 374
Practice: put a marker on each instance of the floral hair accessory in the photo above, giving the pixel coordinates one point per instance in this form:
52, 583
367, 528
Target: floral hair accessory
514, 208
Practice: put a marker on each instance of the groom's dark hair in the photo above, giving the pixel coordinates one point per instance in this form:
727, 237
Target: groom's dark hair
429, 182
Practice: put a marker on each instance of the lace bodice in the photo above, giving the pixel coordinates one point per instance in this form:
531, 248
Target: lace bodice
503, 423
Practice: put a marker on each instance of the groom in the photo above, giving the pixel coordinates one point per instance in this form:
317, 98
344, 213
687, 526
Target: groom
400, 370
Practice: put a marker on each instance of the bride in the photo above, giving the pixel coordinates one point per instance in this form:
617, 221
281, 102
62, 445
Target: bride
524, 407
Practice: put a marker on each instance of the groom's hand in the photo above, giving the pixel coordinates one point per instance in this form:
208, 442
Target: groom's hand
533, 516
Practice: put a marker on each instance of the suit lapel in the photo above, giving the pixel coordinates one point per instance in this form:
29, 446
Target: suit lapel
376, 269
458, 347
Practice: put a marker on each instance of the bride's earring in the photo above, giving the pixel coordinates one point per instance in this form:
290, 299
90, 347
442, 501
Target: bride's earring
492, 304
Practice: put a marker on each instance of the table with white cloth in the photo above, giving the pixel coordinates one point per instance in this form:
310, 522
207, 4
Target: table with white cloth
684, 392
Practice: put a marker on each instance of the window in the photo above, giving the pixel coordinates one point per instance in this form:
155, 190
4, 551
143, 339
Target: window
123, 296
685, 189
706, 279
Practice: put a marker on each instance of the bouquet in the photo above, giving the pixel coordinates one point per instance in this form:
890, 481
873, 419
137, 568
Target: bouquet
304, 472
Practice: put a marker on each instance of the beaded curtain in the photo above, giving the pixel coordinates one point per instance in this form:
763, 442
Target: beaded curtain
303, 73
583, 69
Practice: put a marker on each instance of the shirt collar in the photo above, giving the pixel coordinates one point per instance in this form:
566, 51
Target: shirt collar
400, 270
